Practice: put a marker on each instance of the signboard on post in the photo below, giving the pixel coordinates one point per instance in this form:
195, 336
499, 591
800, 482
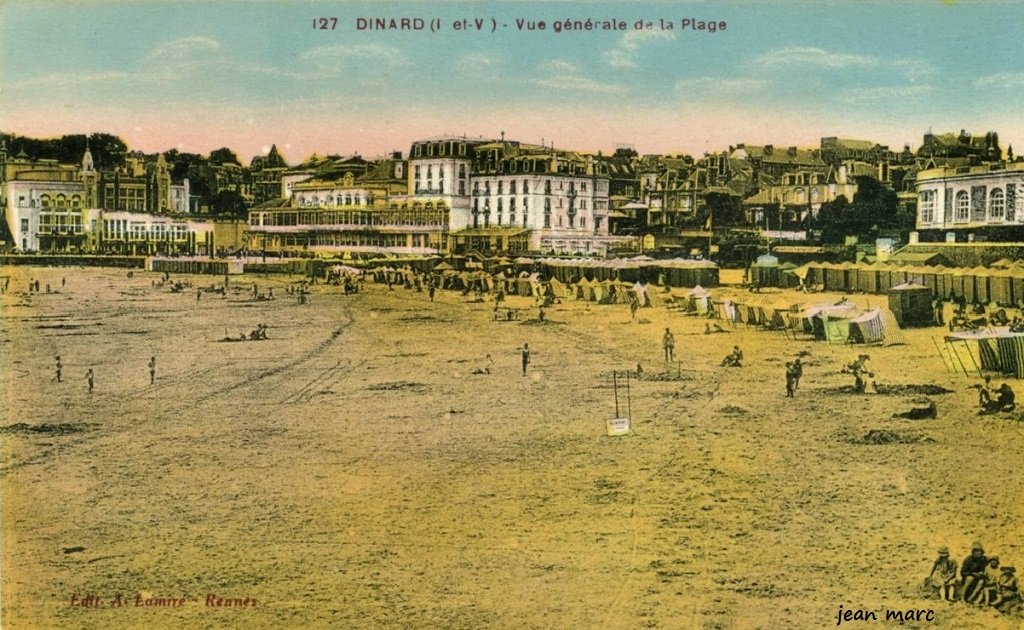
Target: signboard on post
619, 426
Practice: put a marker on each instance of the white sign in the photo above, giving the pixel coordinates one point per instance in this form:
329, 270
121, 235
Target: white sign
619, 426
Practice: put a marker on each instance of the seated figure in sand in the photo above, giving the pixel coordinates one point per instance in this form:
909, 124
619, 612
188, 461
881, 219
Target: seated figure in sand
942, 580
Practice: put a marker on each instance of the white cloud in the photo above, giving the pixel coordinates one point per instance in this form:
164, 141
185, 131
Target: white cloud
327, 55
913, 69
1001, 79
886, 92
479, 65
559, 65
806, 55
625, 53
184, 47
712, 85
580, 84
64, 79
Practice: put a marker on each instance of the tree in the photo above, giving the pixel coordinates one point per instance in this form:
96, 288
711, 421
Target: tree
224, 155
874, 208
228, 204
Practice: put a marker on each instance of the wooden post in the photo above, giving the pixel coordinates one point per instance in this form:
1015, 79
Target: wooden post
615, 388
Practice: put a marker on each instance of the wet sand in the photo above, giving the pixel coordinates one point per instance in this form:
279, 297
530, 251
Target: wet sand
352, 471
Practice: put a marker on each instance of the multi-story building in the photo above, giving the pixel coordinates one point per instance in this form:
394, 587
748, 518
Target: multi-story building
141, 234
776, 162
835, 151
370, 214
971, 197
541, 198
984, 148
265, 174
800, 194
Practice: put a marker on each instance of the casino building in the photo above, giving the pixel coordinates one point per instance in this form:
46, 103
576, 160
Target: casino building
963, 198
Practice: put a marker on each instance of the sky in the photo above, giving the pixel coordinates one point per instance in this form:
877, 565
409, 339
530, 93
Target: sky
247, 74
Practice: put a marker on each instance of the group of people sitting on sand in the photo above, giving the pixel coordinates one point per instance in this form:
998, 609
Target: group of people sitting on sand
980, 580
995, 400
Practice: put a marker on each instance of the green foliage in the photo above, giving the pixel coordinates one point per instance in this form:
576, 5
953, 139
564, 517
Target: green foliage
228, 204
872, 210
224, 155
108, 151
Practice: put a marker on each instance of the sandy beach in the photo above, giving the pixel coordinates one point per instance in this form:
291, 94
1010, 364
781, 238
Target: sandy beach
353, 471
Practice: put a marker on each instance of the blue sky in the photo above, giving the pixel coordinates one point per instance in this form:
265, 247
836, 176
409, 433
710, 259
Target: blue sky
247, 74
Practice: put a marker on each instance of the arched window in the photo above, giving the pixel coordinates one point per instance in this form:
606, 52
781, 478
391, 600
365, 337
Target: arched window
45, 201
962, 206
996, 205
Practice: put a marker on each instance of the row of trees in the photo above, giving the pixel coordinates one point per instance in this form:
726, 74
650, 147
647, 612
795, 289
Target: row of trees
107, 149
873, 210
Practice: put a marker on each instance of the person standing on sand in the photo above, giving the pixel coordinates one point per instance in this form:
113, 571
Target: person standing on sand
942, 579
60, 367
152, 370
798, 371
634, 305
526, 357
89, 380
790, 380
668, 344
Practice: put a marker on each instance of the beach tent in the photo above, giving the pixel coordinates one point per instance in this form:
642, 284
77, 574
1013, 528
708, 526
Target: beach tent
911, 303
1000, 286
698, 299
829, 322
643, 296
963, 284
875, 326
981, 284
987, 350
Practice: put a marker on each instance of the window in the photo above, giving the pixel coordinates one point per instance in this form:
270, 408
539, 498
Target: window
927, 206
501, 187
996, 205
462, 170
526, 187
512, 187
24, 225
963, 206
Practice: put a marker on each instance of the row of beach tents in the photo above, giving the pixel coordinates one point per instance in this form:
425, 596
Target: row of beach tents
676, 272
999, 285
842, 322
